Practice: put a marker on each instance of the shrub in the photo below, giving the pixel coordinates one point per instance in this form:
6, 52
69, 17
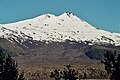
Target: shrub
67, 74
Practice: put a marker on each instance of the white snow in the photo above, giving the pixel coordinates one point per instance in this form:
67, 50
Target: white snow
58, 28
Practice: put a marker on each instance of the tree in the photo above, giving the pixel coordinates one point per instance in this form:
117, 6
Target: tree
8, 68
112, 65
67, 74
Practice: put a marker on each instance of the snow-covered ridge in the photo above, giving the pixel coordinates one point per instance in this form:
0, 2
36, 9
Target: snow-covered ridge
49, 27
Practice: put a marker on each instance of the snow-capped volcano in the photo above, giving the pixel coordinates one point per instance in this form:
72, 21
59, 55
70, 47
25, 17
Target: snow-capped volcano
49, 28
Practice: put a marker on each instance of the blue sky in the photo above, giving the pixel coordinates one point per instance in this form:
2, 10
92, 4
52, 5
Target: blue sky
104, 14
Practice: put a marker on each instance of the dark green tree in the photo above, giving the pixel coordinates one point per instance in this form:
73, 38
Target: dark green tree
112, 64
8, 68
